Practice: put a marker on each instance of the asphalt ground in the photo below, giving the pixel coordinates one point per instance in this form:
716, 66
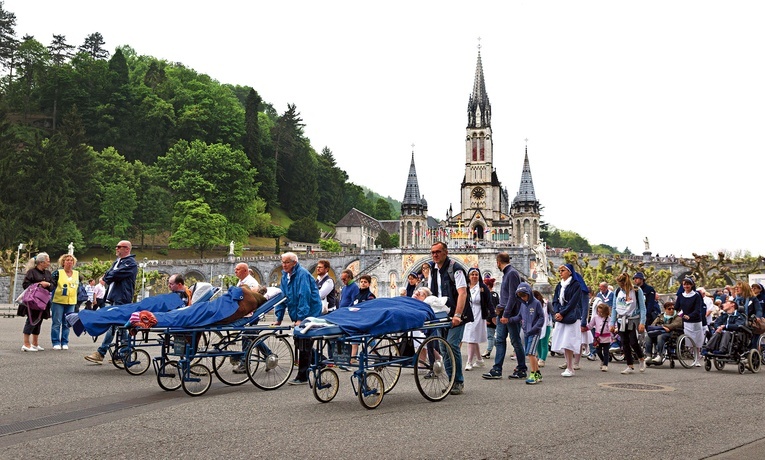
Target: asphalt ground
55, 404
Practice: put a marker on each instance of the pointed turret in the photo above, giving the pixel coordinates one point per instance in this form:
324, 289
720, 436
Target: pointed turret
412, 193
479, 108
526, 190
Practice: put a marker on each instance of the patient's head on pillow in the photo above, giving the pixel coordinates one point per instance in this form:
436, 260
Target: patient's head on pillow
252, 300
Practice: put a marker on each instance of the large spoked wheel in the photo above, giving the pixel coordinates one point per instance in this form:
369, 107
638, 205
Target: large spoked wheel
719, 364
169, 376
203, 343
230, 368
432, 380
198, 380
269, 362
753, 361
617, 354
685, 347
326, 385
136, 361
371, 390
382, 351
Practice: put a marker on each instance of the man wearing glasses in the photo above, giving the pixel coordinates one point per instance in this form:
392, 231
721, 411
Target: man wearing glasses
302, 301
120, 286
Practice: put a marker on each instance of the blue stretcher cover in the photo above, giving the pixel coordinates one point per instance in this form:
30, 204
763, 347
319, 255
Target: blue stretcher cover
213, 312
376, 317
97, 322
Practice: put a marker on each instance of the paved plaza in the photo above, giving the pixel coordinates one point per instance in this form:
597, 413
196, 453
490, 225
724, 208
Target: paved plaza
55, 404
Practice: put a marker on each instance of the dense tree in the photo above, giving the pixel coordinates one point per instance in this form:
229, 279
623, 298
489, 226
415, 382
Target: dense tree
8, 41
196, 226
93, 46
384, 240
304, 230
382, 210
296, 166
251, 142
331, 181
60, 51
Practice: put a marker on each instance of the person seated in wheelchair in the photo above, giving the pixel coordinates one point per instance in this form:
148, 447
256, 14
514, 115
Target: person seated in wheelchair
731, 321
670, 324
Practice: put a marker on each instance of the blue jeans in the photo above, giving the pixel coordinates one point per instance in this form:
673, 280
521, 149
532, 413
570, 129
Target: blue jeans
660, 340
454, 337
490, 331
59, 330
500, 343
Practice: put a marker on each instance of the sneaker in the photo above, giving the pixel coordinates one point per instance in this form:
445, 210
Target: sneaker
604, 368
56, 347
591, 357
240, 369
95, 358
486, 355
298, 382
517, 375
478, 364
614, 347
64, 347
628, 370
696, 364
539, 376
541, 363
641, 366
577, 367
567, 373
457, 388
532, 380
28, 348
657, 360
430, 375
469, 367
493, 374
38, 348
563, 366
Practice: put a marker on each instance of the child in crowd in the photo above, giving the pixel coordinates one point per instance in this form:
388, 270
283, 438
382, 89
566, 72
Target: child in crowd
601, 324
531, 316
544, 338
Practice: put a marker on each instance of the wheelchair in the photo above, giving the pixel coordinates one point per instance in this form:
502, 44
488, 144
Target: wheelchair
739, 353
678, 347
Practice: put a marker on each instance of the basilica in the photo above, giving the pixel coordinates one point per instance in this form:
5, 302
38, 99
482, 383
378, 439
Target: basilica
487, 216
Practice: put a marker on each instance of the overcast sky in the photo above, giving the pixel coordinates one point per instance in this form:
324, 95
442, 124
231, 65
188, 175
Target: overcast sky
643, 119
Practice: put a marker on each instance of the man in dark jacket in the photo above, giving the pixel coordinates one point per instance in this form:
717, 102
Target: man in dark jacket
652, 309
120, 286
508, 307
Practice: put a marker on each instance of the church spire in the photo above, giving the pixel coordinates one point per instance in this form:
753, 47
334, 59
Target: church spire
479, 108
526, 190
412, 193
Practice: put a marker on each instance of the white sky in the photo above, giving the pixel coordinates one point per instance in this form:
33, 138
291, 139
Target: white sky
643, 118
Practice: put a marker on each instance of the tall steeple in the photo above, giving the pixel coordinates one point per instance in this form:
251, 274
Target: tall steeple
479, 108
526, 190
412, 193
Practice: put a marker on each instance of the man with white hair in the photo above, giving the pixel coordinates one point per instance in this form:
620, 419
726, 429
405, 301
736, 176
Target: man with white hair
303, 300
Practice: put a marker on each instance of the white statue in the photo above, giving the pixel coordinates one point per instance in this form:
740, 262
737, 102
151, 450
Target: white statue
71, 248
646, 244
526, 238
231, 247
540, 251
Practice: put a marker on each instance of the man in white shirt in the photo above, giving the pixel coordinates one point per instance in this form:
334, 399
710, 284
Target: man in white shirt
242, 271
326, 286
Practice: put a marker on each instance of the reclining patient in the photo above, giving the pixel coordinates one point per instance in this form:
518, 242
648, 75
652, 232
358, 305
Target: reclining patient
728, 322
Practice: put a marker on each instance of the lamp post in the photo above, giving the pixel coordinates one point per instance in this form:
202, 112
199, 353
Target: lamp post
143, 277
16, 271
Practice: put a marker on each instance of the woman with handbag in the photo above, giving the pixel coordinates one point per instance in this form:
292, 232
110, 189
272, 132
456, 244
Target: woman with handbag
66, 282
37, 273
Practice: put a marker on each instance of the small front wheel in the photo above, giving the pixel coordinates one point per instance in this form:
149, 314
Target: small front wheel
197, 380
326, 385
753, 361
371, 390
169, 376
137, 362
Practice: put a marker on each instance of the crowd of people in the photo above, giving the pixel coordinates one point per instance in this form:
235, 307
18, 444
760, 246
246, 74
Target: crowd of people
576, 321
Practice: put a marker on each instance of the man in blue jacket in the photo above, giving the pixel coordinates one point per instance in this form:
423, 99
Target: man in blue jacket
652, 308
508, 307
303, 300
120, 286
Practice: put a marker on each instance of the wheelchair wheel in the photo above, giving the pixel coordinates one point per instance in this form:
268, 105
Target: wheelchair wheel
671, 363
269, 362
707, 364
326, 385
117, 356
719, 364
169, 376
383, 351
371, 390
228, 372
432, 380
685, 350
741, 368
136, 362
753, 361
617, 354
198, 380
